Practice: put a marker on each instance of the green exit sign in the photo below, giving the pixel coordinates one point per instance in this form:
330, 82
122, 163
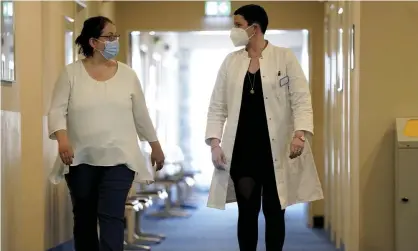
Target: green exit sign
218, 8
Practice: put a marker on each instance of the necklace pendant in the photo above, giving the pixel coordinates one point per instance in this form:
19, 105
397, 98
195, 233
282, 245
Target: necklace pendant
252, 91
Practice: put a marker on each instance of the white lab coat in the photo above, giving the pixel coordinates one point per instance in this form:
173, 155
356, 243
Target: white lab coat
288, 108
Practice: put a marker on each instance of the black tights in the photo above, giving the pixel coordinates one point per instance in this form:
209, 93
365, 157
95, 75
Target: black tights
251, 193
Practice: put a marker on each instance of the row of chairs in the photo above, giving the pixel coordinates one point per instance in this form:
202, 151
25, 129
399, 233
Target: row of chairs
142, 198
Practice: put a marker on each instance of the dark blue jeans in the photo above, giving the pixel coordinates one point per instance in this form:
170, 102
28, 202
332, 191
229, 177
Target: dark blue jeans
99, 193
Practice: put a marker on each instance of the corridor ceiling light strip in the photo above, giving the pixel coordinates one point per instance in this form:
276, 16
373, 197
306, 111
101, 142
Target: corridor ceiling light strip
227, 32
275, 32
210, 32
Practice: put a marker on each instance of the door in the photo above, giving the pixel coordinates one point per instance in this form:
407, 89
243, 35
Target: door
406, 200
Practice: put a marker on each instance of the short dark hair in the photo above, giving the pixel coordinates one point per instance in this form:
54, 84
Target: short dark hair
92, 28
254, 14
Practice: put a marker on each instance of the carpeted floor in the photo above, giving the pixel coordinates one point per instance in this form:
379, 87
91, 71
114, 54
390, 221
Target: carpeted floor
215, 230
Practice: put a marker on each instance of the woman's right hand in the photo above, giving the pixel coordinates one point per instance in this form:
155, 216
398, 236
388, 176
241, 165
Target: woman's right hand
157, 155
65, 151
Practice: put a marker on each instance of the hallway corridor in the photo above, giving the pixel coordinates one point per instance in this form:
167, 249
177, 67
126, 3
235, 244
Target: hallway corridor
363, 95
208, 230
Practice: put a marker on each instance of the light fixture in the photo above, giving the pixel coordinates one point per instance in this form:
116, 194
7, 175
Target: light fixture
69, 19
156, 56
340, 11
143, 47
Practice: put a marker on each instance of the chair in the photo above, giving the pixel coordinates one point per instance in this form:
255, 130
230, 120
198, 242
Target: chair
150, 195
185, 191
131, 207
170, 176
168, 210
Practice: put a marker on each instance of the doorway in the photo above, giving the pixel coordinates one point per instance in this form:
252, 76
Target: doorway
178, 100
178, 71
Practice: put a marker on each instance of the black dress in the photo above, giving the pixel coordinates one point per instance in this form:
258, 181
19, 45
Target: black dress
252, 172
252, 155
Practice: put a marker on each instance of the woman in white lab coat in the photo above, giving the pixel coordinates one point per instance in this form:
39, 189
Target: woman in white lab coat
263, 156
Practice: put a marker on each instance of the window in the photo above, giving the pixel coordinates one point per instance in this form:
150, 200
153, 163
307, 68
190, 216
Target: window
69, 50
352, 47
81, 14
340, 61
304, 59
198, 101
69, 40
151, 93
138, 57
7, 42
218, 8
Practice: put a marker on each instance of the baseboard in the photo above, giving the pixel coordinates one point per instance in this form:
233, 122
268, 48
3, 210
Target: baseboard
318, 221
66, 246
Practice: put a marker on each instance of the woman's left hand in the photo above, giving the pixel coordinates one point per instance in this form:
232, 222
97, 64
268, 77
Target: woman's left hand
296, 147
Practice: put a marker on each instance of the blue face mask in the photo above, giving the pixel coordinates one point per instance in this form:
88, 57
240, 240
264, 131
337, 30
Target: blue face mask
111, 49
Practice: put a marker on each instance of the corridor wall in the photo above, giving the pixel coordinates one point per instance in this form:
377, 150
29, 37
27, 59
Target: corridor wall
35, 214
387, 89
189, 16
380, 88
340, 127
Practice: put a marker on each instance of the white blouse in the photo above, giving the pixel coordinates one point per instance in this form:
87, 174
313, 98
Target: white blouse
102, 119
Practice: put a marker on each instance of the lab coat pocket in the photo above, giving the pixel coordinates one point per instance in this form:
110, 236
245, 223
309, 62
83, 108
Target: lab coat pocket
227, 165
296, 165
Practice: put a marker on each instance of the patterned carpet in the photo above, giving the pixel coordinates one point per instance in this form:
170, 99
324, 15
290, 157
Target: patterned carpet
215, 230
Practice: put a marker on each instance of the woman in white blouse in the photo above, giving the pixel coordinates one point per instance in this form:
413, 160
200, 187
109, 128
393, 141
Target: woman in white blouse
97, 112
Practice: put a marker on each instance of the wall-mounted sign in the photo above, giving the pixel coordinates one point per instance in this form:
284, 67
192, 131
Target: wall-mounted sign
218, 8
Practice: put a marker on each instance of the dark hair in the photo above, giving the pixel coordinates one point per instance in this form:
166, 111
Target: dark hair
92, 28
254, 14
